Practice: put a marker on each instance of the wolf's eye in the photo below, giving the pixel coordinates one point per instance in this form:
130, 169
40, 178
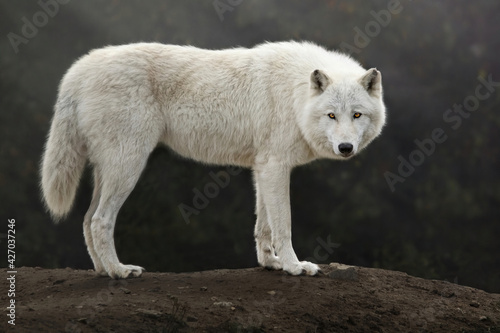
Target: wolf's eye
331, 115
357, 115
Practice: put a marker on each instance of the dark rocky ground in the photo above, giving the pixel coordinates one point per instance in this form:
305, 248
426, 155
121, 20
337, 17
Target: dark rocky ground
246, 300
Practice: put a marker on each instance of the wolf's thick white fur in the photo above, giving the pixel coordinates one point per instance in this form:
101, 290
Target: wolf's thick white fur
269, 108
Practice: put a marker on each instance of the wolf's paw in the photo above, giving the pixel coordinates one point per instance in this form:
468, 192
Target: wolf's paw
99, 268
270, 262
268, 259
302, 267
101, 272
126, 271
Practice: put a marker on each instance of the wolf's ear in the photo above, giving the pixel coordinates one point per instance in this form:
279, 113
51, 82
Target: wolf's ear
372, 82
319, 81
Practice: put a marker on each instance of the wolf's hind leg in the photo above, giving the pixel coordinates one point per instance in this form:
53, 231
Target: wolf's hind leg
87, 231
266, 255
118, 179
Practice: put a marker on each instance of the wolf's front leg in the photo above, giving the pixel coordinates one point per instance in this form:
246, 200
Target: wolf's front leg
273, 185
263, 236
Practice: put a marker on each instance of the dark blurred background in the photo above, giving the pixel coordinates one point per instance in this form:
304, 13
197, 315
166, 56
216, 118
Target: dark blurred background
437, 218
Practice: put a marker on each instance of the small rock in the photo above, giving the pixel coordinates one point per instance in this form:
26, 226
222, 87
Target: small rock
150, 313
483, 318
203, 288
191, 319
343, 272
125, 290
474, 304
223, 304
272, 292
58, 281
337, 265
82, 320
447, 293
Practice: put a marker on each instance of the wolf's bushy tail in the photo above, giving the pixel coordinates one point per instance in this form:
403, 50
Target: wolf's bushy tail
63, 160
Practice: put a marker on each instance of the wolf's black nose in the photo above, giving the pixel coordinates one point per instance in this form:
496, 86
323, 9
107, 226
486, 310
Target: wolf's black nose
345, 148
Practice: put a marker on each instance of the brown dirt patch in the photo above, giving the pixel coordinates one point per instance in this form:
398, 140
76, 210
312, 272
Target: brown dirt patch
247, 300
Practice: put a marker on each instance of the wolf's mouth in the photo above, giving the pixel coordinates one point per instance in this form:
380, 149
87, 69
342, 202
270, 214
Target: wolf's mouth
347, 155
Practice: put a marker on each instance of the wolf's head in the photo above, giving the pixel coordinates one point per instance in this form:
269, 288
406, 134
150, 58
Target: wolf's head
343, 115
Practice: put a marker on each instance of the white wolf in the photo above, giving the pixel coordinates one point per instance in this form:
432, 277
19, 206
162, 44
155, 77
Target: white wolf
269, 108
